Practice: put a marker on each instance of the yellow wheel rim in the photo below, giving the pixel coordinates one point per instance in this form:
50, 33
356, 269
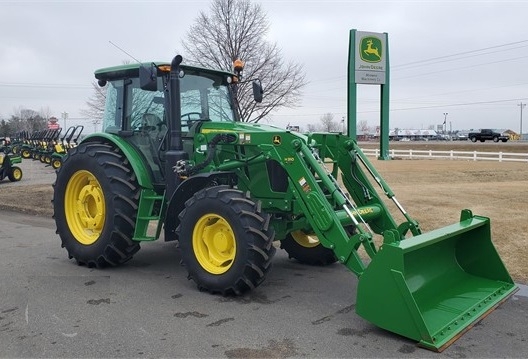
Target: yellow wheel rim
214, 243
56, 164
17, 174
84, 207
305, 240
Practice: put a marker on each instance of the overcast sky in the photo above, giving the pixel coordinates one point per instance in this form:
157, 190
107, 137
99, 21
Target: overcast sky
464, 58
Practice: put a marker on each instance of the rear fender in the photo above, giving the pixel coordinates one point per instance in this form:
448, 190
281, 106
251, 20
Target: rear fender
185, 191
143, 172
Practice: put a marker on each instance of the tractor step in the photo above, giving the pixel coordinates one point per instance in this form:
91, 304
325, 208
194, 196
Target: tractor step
151, 207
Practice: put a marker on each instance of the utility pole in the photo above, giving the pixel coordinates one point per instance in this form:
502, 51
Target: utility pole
65, 118
445, 120
521, 105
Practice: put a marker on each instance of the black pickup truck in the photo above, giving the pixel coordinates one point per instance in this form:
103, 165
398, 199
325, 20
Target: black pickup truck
487, 134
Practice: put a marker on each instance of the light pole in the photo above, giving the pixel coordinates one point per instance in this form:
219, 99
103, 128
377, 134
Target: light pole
64, 116
445, 121
521, 105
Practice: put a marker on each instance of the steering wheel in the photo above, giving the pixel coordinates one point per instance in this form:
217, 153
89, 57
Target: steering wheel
190, 121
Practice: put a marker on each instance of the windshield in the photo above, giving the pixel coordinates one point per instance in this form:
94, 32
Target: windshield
205, 98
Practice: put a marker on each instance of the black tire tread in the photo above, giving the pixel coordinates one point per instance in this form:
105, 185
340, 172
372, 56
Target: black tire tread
316, 256
115, 246
259, 241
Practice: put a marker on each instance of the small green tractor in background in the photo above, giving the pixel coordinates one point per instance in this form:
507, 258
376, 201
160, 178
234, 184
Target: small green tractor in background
7, 161
67, 142
174, 158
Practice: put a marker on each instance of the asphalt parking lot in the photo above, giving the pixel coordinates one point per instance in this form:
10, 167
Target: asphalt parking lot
147, 308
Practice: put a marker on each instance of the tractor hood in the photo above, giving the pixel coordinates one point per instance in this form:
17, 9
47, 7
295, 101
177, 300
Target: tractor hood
250, 133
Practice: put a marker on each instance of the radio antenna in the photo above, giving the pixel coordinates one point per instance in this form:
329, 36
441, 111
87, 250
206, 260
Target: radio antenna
124, 51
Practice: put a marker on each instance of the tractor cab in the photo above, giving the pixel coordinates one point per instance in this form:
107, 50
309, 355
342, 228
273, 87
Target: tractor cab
138, 108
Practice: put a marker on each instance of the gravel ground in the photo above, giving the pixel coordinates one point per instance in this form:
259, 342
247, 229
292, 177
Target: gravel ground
33, 193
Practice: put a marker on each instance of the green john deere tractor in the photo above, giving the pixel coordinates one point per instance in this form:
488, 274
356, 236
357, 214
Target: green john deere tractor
7, 168
174, 157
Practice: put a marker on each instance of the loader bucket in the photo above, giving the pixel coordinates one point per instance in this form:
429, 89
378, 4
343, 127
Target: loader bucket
435, 286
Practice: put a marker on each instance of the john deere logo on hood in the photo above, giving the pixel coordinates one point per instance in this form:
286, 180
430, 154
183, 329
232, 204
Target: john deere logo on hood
370, 49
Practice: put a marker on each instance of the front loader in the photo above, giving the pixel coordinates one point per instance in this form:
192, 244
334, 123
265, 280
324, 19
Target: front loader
175, 159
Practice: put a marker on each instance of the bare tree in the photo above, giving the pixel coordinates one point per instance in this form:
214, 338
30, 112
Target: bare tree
96, 103
236, 29
363, 126
27, 120
311, 127
328, 124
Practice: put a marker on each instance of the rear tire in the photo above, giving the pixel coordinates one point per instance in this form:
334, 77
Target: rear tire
225, 240
15, 175
307, 249
95, 199
56, 163
473, 139
25, 153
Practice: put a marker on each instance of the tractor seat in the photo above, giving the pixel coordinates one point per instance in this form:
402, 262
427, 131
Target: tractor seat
150, 122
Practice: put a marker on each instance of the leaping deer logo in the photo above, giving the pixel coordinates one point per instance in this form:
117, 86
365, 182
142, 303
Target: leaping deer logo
370, 50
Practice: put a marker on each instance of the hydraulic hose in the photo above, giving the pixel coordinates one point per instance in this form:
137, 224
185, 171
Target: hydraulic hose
219, 138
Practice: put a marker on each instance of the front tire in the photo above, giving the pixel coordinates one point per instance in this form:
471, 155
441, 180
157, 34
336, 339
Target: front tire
225, 240
473, 139
95, 199
307, 249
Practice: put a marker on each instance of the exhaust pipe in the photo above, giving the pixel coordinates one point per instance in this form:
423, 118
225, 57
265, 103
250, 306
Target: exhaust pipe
175, 152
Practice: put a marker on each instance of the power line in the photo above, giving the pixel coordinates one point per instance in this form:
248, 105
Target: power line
43, 85
457, 92
460, 53
417, 107
458, 104
460, 68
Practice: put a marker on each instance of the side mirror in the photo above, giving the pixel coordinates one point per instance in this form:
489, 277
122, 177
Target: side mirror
148, 79
257, 91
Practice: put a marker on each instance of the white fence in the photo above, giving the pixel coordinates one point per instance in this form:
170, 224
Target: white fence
452, 155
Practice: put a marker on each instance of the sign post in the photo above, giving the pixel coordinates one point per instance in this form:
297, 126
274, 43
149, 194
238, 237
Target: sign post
369, 64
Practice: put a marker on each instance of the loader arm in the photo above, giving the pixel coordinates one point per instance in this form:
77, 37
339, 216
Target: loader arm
327, 207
